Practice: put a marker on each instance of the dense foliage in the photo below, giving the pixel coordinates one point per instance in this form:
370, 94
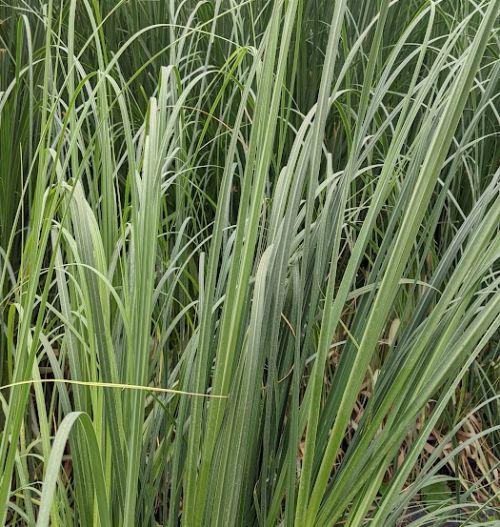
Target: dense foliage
249, 263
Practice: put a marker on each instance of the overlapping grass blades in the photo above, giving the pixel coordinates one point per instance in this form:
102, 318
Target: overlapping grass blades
286, 215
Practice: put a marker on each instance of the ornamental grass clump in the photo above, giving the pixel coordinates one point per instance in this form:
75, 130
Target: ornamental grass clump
249, 263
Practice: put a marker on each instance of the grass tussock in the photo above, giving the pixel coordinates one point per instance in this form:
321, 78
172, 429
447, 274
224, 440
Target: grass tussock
249, 263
